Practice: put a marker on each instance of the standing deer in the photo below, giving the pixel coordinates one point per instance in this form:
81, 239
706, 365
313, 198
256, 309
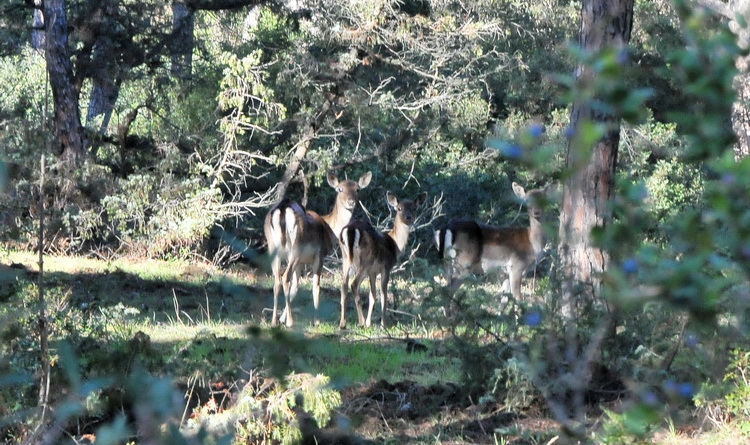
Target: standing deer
374, 253
298, 237
471, 247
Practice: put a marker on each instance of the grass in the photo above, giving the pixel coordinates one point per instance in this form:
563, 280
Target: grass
206, 327
175, 304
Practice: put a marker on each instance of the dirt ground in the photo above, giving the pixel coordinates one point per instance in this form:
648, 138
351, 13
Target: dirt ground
405, 412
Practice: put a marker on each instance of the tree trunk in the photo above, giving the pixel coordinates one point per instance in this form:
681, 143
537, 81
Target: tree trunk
741, 107
183, 40
106, 81
68, 128
589, 188
37, 26
304, 145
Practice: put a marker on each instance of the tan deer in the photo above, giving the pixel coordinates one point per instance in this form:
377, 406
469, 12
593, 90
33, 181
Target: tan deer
374, 253
471, 247
296, 236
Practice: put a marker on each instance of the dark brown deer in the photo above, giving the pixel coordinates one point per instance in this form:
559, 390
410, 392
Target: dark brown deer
471, 247
374, 253
297, 236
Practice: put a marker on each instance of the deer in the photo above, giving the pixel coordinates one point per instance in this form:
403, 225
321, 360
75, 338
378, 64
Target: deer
297, 237
374, 253
471, 247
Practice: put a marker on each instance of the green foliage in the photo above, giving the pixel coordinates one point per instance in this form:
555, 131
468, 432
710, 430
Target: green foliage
737, 398
22, 79
169, 213
410, 96
246, 94
673, 187
710, 92
513, 385
271, 417
634, 426
728, 399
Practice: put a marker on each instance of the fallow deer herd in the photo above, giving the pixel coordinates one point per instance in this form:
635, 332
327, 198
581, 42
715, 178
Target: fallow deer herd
297, 236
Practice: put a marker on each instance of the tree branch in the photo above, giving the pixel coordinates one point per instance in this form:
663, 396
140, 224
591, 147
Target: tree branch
218, 5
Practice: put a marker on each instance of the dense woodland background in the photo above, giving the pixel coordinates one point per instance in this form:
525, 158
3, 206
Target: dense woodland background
165, 130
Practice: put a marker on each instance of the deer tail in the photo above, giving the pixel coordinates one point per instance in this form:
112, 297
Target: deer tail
278, 232
443, 240
351, 236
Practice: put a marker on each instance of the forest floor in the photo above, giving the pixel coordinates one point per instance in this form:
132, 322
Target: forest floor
395, 398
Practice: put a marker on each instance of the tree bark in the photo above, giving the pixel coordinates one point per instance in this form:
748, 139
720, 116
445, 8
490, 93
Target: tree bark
37, 26
183, 40
304, 145
106, 81
68, 128
741, 107
589, 188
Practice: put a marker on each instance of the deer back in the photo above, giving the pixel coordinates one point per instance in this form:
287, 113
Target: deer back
482, 246
367, 247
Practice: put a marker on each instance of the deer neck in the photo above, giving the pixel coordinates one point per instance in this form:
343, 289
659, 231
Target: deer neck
338, 218
536, 234
400, 234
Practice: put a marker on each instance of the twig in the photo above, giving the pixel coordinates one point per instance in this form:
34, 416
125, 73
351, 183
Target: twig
669, 358
187, 404
176, 304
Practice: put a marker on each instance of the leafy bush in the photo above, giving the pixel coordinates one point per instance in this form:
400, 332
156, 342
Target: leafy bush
729, 400
169, 215
273, 416
673, 187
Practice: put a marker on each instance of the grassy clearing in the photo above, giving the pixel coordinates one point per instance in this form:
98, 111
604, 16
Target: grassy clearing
206, 328
192, 310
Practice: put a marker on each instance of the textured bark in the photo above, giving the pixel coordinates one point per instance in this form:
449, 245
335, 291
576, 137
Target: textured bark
588, 190
183, 40
37, 27
106, 81
68, 128
741, 106
741, 109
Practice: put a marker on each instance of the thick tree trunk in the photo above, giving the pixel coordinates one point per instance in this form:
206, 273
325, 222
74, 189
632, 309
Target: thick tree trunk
741, 107
589, 188
183, 40
106, 81
37, 26
68, 128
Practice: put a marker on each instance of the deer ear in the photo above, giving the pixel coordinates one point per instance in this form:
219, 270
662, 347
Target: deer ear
333, 180
392, 199
518, 190
421, 199
364, 181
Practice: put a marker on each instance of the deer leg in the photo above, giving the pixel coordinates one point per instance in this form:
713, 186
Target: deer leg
344, 290
516, 273
292, 294
317, 269
291, 277
456, 273
355, 290
277, 285
384, 278
373, 295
